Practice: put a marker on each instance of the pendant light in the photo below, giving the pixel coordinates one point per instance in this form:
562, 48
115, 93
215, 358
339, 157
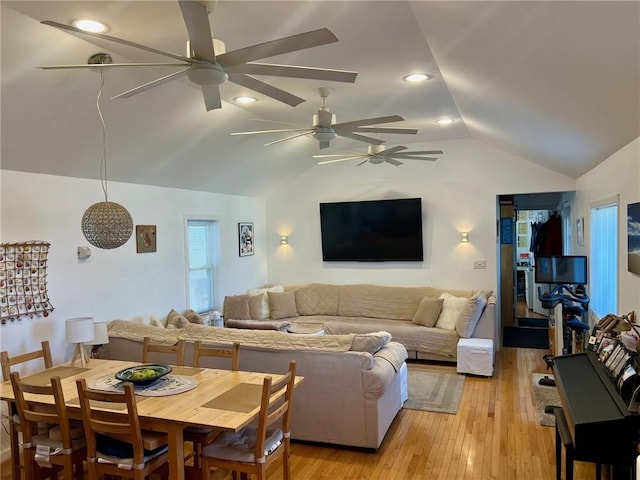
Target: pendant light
105, 225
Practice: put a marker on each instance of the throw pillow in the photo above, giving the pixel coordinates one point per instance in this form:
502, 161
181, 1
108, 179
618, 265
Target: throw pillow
282, 304
236, 307
256, 302
370, 342
428, 311
468, 318
193, 317
154, 322
452, 307
264, 311
177, 320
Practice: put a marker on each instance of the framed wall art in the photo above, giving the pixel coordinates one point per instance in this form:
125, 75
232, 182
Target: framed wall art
633, 237
245, 238
145, 238
580, 231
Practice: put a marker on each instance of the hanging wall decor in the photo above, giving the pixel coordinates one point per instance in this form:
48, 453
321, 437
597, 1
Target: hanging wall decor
245, 238
633, 238
23, 280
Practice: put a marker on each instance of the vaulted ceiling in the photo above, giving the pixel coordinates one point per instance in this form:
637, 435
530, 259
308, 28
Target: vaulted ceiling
556, 83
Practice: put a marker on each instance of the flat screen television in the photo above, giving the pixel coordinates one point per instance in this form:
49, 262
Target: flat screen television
372, 231
570, 270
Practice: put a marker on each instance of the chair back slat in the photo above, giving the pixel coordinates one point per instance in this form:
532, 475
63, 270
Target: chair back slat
7, 362
200, 351
177, 350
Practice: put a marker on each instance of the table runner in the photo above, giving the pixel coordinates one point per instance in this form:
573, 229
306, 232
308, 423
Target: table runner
167, 385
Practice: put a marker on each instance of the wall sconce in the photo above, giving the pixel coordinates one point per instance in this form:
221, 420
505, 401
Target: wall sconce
79, 330
464, 237
284, 239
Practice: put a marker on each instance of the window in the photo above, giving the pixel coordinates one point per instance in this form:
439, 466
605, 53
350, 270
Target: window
202, 248
603, 277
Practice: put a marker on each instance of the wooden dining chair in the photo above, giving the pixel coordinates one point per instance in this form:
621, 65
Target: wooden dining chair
253, 449
61, 445
116, 444
199, 437
7, 363
178, 350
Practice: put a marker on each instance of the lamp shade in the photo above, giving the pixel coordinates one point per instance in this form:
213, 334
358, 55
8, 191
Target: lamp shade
79, 330
100, 335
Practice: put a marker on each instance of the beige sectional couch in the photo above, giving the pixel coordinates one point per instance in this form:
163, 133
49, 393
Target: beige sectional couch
428, 325
354, 385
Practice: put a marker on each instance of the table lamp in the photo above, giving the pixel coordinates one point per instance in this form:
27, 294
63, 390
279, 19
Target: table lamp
79, 330
100, 337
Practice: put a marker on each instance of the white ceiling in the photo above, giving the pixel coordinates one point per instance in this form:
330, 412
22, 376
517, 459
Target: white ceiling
557, 83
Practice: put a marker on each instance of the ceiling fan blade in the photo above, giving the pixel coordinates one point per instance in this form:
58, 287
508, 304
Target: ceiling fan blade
196, 19
390, 151
314, 38
413, 157
274, 121
104, 65
369, 121
425, 152
102, 36
153, 83
326, 162
362, 162
393, 162
289, 138
355, 136
266, 89
408, 131
211, 95
312, 73
285, 130
337, 156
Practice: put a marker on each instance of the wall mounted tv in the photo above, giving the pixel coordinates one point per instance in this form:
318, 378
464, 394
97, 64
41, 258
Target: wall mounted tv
372, 231
570, 270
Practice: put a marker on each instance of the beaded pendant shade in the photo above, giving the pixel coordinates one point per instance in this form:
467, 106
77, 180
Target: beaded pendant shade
105, 224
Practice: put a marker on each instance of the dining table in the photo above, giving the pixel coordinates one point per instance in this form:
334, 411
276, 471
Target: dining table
222, 400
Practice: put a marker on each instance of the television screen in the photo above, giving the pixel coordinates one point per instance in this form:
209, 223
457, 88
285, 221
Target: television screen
571, 270
372, 231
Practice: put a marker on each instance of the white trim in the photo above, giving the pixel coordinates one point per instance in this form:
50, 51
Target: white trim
605, 201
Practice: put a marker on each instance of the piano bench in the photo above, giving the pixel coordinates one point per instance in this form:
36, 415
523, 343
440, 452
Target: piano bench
563, 438
475, 356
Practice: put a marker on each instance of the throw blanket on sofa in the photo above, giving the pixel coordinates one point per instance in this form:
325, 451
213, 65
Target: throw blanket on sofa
137, 331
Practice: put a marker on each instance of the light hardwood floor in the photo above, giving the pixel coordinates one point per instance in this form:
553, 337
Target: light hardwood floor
494, 435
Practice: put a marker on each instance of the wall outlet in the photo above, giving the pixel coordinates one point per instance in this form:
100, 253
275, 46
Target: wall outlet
480, 264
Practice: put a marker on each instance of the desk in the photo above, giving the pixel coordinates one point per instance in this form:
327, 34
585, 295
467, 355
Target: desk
170, 414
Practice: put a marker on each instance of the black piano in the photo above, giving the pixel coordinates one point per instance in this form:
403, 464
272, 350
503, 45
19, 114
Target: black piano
601, 426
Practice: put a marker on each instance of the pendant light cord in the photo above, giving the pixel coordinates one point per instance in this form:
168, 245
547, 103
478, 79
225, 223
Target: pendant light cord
103, 161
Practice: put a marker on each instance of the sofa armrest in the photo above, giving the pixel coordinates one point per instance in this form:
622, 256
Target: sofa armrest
487, 326
386, 364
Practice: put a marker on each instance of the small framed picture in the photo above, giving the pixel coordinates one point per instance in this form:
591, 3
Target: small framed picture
145, 238
245, 238
580, 231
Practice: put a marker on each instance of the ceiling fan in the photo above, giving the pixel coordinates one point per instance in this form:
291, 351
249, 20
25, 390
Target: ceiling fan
377, 154
209, 70
324, 129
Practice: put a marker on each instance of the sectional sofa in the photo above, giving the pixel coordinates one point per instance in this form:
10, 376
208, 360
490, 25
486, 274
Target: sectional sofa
428, 321
354, 385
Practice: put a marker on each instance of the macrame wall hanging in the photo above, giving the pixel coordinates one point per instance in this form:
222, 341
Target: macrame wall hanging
23, 280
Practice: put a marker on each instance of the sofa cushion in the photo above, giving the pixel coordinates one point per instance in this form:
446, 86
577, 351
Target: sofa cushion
370, 342
264, 310
175, 320
428, 311
258, 324
452, 308
469, 316
137, 332
317, 299
256, 311
236, 307
193, 316
282, 305
373, 301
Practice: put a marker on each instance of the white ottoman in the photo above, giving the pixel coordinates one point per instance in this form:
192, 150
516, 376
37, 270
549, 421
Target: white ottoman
475, 356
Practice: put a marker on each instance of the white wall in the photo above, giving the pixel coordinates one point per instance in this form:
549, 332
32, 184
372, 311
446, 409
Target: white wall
617, 175
458, 194
118, 283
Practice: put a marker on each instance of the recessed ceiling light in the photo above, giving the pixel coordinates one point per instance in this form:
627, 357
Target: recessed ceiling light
445, 121
416, 77
92, 26
244, 99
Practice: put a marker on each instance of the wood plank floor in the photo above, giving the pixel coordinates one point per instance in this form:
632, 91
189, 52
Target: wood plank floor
494, 435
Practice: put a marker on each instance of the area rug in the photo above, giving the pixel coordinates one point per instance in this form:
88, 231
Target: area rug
434, 388
544, 395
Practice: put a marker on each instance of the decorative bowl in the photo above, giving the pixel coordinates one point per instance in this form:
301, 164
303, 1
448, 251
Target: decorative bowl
143, 374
